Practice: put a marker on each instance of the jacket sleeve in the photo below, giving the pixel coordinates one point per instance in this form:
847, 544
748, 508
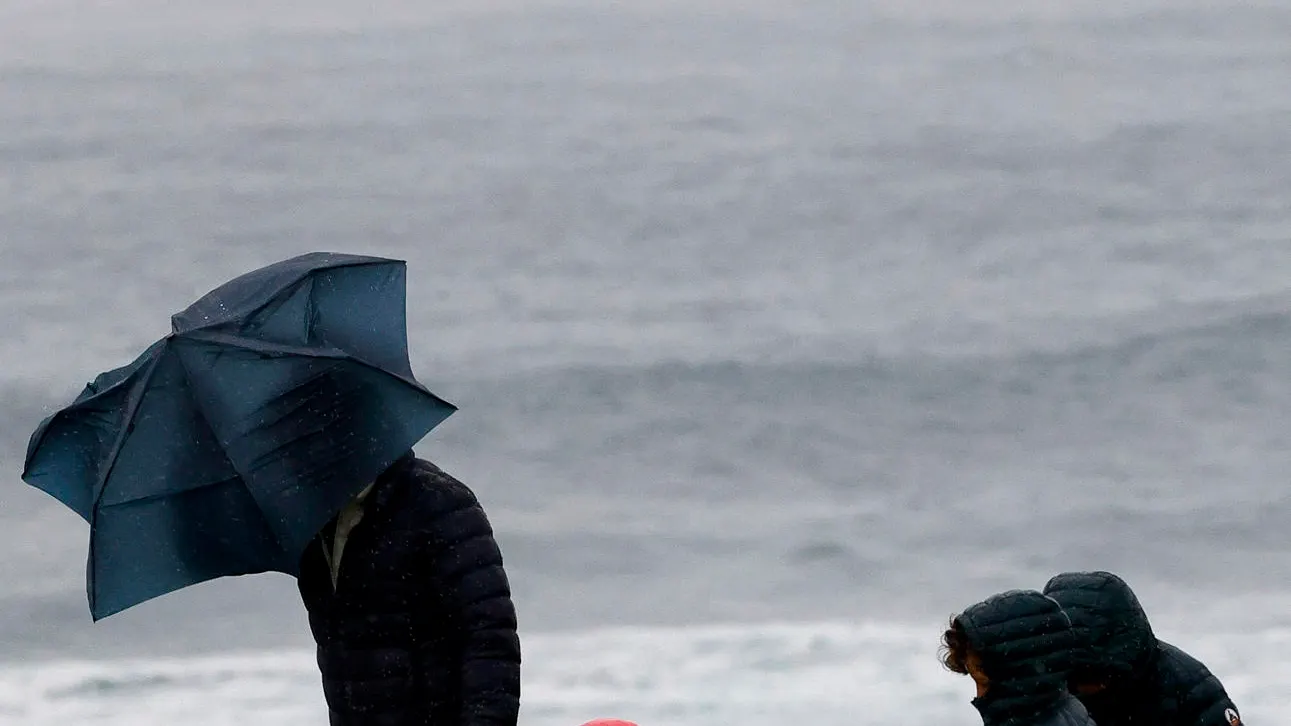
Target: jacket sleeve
466, 564
1204, 702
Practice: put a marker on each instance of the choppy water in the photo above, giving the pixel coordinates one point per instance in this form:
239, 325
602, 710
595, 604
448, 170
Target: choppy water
846, 313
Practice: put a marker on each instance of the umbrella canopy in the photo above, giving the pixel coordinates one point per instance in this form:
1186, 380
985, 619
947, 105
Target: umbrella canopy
224, 447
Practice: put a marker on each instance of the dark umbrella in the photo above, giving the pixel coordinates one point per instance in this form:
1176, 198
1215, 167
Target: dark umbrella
227, 445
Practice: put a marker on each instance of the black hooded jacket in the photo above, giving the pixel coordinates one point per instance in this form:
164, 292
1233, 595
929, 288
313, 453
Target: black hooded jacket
1023, 640
1149, 682
420, 629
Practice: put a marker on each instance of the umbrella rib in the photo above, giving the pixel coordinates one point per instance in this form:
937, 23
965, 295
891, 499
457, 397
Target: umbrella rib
311, 313
127, 427
415, 386
62, 414
263, 346
164, 495
205, 420
256, 346
280, 298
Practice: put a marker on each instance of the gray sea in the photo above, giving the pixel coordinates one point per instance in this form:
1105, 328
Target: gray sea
780, 331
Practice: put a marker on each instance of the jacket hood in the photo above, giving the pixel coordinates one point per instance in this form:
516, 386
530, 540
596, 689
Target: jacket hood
1114, 638
1023, 640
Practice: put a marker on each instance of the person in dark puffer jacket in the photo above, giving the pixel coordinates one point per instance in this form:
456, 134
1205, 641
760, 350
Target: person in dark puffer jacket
411, 607
1121, 672
1016, 647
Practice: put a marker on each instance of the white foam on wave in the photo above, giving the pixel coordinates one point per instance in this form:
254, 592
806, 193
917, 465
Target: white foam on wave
826, 674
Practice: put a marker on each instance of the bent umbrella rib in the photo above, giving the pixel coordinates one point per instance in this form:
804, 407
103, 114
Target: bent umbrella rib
268, 348
136, 400
207, 422
165, 495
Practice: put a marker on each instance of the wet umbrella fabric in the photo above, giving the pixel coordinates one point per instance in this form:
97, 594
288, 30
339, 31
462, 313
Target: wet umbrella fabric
225, 447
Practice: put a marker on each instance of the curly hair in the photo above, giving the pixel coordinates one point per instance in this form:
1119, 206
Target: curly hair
955, 649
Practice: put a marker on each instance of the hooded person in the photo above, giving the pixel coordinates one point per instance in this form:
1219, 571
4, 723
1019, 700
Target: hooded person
1015, 645
1123, 674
